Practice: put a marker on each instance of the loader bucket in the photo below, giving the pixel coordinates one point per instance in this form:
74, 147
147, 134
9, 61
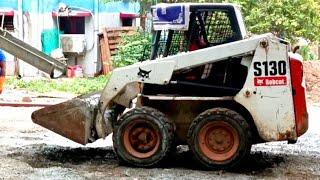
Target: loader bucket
72, 119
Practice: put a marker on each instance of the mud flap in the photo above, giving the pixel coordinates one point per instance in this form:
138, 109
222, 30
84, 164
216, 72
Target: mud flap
72, 119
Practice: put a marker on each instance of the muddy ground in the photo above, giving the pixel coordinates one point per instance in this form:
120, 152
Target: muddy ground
28, 151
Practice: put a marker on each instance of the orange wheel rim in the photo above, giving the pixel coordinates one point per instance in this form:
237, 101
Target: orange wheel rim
141, 139
218, 141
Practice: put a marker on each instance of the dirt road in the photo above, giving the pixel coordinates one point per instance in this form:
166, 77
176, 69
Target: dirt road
28, 151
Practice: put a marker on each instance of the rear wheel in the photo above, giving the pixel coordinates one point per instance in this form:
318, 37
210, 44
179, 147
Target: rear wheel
142, 137
220, 138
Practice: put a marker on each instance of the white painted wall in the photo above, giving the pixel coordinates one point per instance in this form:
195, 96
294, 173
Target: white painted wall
109, 20
33, 24
89, 60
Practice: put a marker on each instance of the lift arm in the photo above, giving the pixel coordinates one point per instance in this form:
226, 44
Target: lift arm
31, 55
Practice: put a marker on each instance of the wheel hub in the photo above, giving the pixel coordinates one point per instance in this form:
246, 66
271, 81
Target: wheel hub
141, 139
218, 140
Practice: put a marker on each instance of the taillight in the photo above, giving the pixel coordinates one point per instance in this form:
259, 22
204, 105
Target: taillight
299, 97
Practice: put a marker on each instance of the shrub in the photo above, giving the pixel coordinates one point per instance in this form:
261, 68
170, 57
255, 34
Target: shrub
132, 49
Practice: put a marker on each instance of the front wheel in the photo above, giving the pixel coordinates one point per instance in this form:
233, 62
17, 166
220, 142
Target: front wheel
143, 137
220, 138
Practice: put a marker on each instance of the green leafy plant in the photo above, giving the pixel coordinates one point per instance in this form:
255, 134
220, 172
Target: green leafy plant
132, 49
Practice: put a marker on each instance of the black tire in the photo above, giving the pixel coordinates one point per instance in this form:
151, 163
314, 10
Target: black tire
220, 138
142, 137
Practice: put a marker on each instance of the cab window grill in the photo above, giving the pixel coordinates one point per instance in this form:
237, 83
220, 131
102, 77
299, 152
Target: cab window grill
218, 28
211, 27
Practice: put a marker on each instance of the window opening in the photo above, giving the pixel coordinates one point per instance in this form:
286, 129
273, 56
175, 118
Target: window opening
6, 22
72, 25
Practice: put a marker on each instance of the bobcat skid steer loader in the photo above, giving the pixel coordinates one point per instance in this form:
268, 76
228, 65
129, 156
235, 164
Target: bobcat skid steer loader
207, 85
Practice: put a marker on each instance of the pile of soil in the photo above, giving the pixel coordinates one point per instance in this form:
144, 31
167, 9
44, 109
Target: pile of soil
312, 77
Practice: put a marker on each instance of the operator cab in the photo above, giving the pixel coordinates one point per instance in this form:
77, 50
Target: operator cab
183, 27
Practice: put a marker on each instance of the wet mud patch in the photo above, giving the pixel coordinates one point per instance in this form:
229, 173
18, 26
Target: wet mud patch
101, 160
45, 156
259, 162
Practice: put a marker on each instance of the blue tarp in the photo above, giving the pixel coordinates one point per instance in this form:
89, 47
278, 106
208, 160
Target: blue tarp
171, 16
45, 6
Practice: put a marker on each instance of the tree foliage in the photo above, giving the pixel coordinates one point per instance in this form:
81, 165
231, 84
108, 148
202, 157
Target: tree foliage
287, 18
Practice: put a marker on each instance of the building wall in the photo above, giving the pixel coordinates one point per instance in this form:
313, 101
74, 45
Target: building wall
9, 4
32, 17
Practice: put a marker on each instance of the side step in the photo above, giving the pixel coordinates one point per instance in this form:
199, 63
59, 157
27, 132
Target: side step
31, 55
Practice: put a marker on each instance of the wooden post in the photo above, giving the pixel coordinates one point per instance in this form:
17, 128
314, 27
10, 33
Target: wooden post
106, 62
